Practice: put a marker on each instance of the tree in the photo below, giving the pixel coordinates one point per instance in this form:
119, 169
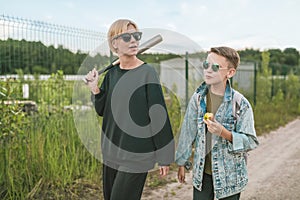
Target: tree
264, 81
291, 56
250, 55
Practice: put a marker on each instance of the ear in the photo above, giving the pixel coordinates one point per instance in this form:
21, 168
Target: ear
231, 72
114, 44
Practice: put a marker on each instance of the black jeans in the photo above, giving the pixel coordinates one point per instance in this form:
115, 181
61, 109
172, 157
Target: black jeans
118, 185
207, 192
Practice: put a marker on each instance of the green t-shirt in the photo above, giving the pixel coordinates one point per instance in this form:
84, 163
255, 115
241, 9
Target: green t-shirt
213, 103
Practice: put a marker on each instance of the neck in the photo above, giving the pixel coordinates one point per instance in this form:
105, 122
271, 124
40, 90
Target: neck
218, 89
129, 62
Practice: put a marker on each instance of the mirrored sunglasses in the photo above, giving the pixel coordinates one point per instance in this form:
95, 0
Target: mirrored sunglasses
215, 66
126, 37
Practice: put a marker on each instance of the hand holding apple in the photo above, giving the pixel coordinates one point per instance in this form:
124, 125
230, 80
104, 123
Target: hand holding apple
212, 125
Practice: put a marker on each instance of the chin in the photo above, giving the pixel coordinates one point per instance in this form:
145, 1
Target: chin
208, 82
133, 53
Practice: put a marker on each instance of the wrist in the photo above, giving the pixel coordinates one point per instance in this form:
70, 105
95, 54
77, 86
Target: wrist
95, 90
221, 131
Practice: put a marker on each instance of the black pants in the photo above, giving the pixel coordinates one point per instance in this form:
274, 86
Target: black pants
118, 185
207, 192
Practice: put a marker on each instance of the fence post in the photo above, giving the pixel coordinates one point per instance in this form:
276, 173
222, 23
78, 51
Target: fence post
186, 79
255, 80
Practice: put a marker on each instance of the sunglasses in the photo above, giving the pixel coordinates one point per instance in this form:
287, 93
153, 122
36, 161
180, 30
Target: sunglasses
215, 66
126, 37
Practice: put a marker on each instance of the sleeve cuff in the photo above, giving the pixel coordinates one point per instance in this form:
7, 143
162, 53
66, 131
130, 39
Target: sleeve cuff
237, 144
180, 162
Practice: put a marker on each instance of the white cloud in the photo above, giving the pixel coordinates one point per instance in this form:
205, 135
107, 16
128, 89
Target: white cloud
234, 22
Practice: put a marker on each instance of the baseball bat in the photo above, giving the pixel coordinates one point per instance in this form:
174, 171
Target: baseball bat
143, 47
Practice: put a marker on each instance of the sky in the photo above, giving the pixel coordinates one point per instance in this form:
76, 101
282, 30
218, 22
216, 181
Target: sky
236, 23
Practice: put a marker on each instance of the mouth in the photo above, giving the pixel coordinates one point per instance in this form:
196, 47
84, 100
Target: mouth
208, 77
133, 47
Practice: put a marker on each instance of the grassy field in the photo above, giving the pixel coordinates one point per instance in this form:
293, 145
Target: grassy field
42, 154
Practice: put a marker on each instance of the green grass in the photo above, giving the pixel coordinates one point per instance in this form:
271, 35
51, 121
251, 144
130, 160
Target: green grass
269, 117
43, 157
51, 154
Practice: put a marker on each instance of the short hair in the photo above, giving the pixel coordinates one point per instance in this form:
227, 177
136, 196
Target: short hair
117, 28
230, 54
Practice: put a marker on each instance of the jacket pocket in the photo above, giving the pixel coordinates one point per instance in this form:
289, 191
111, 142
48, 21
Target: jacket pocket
241, 169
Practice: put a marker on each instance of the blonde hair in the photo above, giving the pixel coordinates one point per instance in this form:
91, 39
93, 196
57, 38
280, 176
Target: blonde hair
117, 28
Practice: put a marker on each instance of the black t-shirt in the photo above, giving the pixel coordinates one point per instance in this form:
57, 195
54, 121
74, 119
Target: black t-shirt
136, 130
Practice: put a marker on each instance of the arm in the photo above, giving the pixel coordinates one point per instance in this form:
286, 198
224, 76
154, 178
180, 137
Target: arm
188, 132
244, 136
187, 137
160, 126
163, 140
98, 95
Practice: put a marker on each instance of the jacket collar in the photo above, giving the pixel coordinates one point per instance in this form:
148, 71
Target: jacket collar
203, 89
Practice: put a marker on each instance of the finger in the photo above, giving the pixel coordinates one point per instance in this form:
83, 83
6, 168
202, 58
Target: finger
88, 77
163, 172
181, 179
167, 170
181, 175
91, 74
95, 72
207, 121
160, 171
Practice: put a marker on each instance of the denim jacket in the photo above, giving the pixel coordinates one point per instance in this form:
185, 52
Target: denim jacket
229, 170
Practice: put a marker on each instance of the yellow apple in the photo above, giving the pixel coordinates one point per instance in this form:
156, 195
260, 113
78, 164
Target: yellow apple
209, 116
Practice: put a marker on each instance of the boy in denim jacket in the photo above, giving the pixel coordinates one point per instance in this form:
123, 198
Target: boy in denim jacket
220, 143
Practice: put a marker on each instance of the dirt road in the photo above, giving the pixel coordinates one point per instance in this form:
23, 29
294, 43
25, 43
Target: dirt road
274, 170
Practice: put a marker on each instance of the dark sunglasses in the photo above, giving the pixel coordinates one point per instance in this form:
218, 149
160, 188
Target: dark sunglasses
126, 37
215, 66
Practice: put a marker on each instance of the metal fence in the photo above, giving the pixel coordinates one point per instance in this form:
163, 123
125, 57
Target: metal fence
17, 30
49, 34
75, 42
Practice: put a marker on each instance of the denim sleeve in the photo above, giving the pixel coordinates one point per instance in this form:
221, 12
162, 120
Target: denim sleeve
244, 137
188, 132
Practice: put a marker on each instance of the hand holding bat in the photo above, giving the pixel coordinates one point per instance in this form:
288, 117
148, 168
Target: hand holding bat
92, 79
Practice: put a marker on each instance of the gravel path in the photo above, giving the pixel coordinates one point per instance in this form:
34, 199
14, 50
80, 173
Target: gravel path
274, 170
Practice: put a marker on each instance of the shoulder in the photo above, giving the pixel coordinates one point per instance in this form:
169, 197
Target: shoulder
195, 99
147, 68
240, 99
147, 72
237, 96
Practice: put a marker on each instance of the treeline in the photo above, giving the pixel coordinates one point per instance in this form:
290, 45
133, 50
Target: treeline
280, 63
37, 58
